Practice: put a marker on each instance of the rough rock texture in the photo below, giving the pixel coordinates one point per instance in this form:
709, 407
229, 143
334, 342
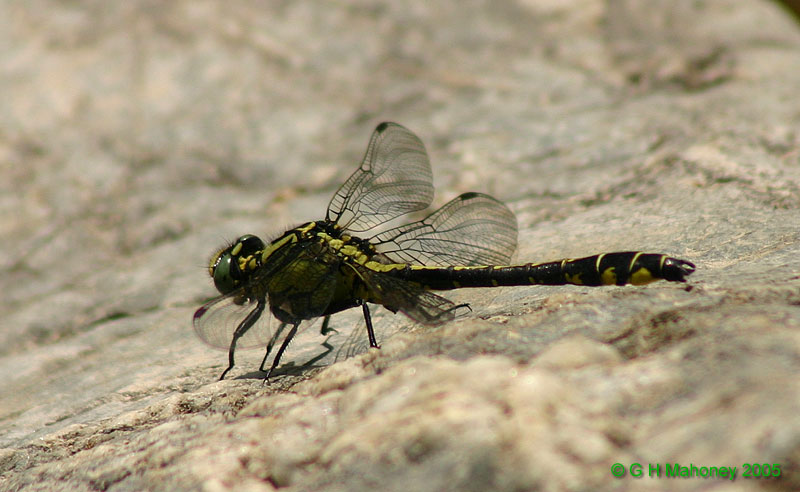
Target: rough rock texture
135, 137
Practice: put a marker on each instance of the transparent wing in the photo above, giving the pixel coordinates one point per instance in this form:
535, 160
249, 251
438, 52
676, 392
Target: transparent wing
385, 323
471, 229
409, 298
394, 179
216, 321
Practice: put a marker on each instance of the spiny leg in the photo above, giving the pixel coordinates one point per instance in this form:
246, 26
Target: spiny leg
370, 332
278, 356
245, 325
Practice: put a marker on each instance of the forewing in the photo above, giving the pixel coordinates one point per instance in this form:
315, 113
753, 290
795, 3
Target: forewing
394, 179
471, 229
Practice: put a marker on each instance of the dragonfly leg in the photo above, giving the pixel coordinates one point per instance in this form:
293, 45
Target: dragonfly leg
245, 325
271, 345
370, 332
325, 329
278, 356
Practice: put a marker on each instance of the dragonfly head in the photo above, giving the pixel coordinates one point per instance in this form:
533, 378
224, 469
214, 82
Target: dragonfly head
232, 265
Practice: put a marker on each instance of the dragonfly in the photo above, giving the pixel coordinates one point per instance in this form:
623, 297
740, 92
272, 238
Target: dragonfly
356, 256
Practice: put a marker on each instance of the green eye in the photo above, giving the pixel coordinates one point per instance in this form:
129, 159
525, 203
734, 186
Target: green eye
221, 272
226, 266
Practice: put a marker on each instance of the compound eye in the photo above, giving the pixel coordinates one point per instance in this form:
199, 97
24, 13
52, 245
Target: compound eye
221, 271
226, 266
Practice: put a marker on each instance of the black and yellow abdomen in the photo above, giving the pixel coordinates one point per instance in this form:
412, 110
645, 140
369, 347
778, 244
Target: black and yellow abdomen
629, 267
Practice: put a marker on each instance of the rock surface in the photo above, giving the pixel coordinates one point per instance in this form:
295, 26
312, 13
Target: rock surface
135, 137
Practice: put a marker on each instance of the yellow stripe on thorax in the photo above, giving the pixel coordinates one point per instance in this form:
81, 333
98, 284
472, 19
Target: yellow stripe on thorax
344, 248
288, 238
